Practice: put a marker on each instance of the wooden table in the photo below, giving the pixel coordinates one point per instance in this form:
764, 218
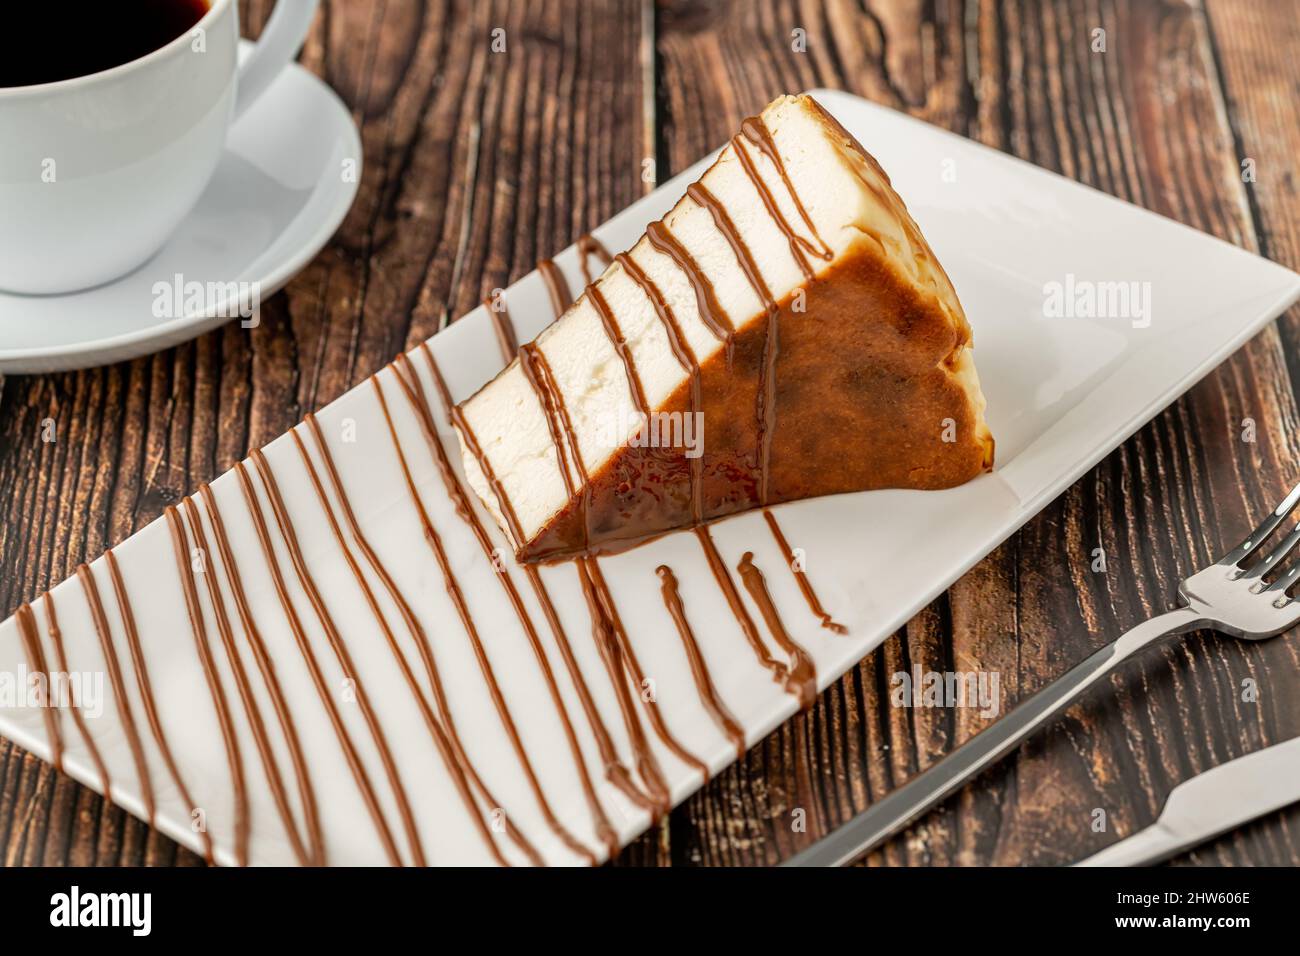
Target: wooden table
477, 163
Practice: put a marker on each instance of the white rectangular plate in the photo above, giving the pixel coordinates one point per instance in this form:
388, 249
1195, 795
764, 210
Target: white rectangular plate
1062, 392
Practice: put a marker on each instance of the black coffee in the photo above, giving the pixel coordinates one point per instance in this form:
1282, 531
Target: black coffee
46, 40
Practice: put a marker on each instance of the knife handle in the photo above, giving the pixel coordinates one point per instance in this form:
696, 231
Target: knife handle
903, 806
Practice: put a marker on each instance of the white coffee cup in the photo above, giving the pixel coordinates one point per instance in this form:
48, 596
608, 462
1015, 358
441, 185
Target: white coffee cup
97, 171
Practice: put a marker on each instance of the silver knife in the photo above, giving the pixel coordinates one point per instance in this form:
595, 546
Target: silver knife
904, 805
1214, 802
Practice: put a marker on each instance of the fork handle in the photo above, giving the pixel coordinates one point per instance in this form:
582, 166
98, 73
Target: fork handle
907, 803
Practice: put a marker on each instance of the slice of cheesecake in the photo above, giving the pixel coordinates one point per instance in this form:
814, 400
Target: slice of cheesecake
783, 332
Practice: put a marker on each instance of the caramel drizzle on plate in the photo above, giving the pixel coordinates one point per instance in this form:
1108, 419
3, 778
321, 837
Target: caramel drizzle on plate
502, 325
612, 654
234, 759
323, 691
91, 590
411, 387
341, 653
703, 681
556, 286
801, 576
452, 754
588, 246
312, 844
801, 671
31, 640
275, 780
458, 600
60, 658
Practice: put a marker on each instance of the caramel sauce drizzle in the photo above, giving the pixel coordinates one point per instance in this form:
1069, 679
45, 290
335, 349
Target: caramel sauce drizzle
556, 285
756, 131
614, 625
611, 655
56, 639
96, 604
341, 652
766, 410
31, 640
615, 772
780, 673
615, 336
701, 196
267, 756
146, 688
686, 358
706, 299
315, 849
699, 669
463, 509
801, 577
501, 324
453, 756
414, 391
467, 622
537, 371
234, 759
313, 667
607, 627
588, 246
801, 666
795, 241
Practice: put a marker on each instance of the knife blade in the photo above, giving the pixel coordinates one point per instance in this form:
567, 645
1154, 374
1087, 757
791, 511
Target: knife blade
1214, 802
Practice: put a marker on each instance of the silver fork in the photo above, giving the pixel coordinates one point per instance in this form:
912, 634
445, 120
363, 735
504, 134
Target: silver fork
1228, 596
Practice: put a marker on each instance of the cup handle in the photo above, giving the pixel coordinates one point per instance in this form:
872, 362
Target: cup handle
279, 43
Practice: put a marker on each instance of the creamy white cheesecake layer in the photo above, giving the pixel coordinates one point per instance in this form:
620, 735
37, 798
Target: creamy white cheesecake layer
844, 194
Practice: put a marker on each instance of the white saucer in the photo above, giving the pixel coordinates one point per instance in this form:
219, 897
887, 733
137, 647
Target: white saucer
278, 194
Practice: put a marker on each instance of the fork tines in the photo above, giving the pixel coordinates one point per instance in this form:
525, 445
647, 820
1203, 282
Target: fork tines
1257, 537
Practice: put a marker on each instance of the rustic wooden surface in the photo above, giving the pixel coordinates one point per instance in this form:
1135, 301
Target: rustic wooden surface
478, 163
